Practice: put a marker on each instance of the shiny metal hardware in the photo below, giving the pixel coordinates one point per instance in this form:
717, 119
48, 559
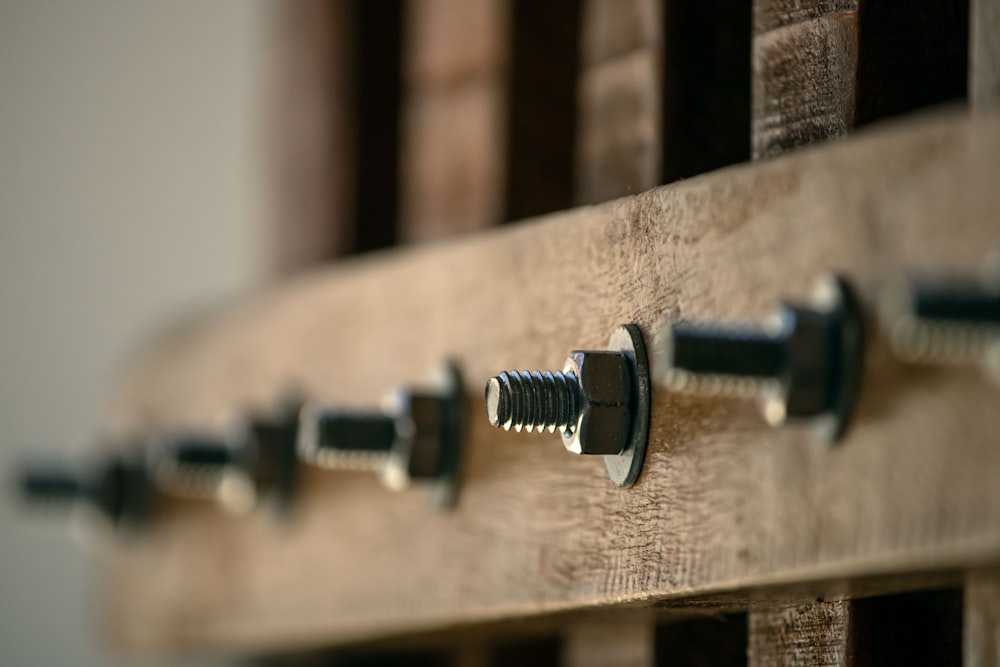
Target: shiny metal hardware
258, 462
807, 363
414, 437
599, 403
118, 488
946, 321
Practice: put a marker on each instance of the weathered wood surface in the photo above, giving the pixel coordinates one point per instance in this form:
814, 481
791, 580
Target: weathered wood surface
619, 142
724, 503
815, 635
981, 622
984, 52
453, 118
805, 59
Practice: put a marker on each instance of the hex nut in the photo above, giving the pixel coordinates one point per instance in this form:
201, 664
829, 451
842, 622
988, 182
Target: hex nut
605, 418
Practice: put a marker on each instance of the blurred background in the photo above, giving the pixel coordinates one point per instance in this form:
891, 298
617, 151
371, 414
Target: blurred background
160, 159
130, 195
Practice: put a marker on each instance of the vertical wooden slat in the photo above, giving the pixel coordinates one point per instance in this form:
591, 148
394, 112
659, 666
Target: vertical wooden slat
984, 53
453, 117
824, 67
805, 55
981, 624
808, 634
624, 641
620, 117
311, 208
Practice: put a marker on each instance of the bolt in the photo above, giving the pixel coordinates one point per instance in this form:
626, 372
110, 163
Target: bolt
588, 401
273, 438
347, 440
946, 323
533, 400
599, 403
118, 488
416, 436
204, 468
806, 364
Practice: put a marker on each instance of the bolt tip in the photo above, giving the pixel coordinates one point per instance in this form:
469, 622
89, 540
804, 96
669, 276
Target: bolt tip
495, 401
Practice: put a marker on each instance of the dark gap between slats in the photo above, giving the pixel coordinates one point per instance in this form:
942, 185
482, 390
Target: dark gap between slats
378, 84
910, 55
706, 86
541, 120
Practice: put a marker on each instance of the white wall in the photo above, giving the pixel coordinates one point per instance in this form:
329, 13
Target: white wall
129, 193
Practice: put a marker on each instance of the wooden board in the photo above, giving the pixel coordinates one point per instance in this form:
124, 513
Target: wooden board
625, 640
808, 634
982, 619
805, 58
453, 117
724, 505
619, 141
984, 52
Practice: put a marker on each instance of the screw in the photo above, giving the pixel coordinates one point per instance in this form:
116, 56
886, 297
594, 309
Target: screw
416, 436
599, 403
807, 364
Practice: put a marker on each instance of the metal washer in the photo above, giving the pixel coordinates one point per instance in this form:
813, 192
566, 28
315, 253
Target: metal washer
624, 468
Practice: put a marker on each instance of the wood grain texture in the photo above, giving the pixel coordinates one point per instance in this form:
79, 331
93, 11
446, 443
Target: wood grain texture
805, 57
455, 56
724, 503
984, 52
812, 635
982, 619
619, 141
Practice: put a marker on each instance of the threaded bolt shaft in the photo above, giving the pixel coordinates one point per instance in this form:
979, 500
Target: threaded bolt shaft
735, 351
51, 484
346, 440
533, 400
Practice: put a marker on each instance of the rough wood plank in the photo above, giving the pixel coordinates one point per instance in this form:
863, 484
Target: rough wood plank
809, 634
984, 52
625, 640
619, 141
453, 117
982, 619
805, 57
724, 503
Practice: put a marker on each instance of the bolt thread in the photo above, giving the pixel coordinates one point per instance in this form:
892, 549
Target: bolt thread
736, 351
533, 400
942, 342
46, 485
345, 440
734, 361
